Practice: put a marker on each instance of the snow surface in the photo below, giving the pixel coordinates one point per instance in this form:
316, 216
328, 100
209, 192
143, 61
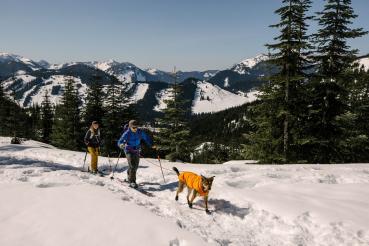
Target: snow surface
6, 57
364, 62
212, 98
25, 79
105, 65
48, 84
140, 92
50, 202
243, 66
226, 82
161, 97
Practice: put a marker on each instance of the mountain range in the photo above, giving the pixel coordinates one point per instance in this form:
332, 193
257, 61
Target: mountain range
206, 91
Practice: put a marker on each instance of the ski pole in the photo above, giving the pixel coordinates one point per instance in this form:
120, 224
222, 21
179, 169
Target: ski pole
161, 168
84, 162
112, 176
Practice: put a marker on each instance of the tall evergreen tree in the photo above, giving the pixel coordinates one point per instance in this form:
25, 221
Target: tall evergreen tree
173, 128
329, 90
66, 132
281, 97
46, 118
35, 117
94, 102
114, 117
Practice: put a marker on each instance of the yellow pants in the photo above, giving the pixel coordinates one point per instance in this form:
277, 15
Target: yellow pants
94, 152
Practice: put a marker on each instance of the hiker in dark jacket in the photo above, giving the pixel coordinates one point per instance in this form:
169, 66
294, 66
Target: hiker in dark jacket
92, 141
130, 142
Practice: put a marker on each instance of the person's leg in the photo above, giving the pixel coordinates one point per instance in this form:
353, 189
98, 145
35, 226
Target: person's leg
135, 159
129, 160
94, 154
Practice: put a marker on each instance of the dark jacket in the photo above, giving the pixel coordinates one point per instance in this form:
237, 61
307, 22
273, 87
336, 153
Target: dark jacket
132, 140
92, 139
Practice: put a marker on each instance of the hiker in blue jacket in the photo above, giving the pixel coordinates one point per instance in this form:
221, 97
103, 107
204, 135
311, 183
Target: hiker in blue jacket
130, 142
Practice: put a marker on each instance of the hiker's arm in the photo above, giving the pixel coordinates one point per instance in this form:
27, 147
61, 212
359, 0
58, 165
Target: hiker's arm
122, 140
87, 137
147, 139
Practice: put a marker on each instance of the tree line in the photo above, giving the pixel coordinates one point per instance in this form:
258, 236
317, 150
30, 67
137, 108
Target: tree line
315, 109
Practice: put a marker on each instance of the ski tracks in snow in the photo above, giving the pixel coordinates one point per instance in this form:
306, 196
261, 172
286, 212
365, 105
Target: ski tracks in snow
235, 219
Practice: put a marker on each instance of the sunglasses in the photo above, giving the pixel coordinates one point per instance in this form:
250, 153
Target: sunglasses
134, 127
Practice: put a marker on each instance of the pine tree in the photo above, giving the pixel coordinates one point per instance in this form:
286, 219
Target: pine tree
355, 140
281, 97
66, 131
173, 129
94, 102
328, 90
46, 118
113, 117
2, 110
35, 117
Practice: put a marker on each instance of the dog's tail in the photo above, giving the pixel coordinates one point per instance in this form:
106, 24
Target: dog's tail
176, 170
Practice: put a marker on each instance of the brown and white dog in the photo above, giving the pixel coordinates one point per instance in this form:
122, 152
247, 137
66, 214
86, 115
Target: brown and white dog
197, 185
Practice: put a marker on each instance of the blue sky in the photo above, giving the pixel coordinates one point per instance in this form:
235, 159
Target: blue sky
189, 34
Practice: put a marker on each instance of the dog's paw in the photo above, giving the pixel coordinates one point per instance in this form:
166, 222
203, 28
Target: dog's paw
176, 198
207, 211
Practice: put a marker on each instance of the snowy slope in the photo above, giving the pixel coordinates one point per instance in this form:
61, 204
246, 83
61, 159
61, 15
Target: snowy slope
140, 92
364, 62
34, 91
211, 98
244, 66
161, 96
50, 202
7, 57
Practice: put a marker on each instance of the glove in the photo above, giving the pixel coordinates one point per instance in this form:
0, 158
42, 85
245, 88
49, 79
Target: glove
121, 146
86, 142
154, 147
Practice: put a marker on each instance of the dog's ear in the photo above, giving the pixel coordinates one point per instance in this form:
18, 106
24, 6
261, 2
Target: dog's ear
202, 176
212, 178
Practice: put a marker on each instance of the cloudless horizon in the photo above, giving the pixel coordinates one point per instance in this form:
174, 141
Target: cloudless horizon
191, 35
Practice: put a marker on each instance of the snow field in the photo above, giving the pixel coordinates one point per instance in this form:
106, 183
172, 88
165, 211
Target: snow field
250, 204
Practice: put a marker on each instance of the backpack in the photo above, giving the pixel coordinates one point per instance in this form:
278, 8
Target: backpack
126, 128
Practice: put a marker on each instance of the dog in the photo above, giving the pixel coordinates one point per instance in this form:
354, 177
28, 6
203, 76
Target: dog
198, 185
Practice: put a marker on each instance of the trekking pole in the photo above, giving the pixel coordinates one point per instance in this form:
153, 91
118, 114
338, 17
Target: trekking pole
84, 162
112, 176
161, 168
157, 154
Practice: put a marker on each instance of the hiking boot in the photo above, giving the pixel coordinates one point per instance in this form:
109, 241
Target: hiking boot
133, 185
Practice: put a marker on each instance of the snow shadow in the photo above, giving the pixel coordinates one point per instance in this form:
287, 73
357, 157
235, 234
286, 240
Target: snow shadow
35, 163
16, 147
222, 206
161, 187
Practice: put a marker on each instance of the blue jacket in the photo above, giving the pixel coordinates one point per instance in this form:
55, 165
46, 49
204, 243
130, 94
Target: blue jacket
133, 140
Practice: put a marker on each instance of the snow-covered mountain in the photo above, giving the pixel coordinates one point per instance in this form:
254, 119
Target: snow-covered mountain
246, 65
47, 200
211, 98
11, 64
124, 71
244, 76
33, 79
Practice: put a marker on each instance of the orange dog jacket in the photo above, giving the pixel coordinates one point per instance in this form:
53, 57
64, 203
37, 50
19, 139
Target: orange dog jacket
193, 181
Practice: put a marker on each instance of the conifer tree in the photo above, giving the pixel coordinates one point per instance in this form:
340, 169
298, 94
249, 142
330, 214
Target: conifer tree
35, 117
113, 117
94, 102
173, 128
66, 132
329, 90
46, 118
281, 96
